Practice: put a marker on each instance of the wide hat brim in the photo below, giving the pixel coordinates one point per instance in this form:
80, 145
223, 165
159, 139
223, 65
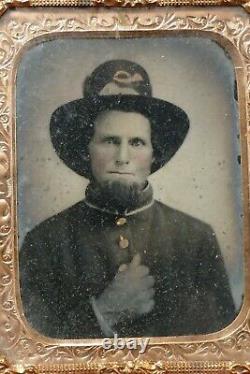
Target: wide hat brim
72, 127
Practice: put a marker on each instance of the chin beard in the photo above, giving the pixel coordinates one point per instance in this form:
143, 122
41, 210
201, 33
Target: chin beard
117, 195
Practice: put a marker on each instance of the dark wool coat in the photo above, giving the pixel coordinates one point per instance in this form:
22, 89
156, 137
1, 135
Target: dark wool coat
74, 255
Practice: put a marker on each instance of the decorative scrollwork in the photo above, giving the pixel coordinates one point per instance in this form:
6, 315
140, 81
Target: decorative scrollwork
6, 50
7, 368
240, 369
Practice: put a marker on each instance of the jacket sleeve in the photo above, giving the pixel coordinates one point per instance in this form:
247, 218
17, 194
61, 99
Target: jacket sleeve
217, 305
53, 304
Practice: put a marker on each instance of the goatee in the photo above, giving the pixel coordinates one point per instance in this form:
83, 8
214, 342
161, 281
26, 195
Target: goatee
116, 195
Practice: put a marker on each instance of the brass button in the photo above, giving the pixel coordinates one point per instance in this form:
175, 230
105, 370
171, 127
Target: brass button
121, 221
123, 242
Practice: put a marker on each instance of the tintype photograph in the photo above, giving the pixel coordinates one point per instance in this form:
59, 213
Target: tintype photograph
129, 187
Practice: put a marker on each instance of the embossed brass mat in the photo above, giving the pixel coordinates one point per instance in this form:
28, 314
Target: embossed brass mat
24, 350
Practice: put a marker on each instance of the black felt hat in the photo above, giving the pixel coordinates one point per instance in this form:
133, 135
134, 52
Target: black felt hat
116, 85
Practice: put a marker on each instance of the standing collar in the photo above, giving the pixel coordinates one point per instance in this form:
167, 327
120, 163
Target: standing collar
95, 201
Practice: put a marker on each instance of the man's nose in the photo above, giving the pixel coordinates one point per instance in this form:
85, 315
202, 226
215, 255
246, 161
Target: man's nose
122, 156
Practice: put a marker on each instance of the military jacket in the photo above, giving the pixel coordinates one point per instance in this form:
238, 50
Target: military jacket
73, 256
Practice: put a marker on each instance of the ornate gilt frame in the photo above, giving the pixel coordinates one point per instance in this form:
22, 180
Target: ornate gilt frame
23, 350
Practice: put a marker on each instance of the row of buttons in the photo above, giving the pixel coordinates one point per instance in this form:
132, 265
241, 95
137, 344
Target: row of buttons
122, 242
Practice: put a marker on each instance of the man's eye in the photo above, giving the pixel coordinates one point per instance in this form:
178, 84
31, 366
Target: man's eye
137, 142
110, 141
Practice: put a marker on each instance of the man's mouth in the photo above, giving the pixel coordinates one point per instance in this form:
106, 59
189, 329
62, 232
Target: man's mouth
120, 173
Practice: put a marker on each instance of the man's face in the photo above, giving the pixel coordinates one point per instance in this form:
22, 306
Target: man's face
121, 149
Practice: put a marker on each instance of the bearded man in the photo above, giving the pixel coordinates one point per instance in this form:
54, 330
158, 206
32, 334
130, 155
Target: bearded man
120, 261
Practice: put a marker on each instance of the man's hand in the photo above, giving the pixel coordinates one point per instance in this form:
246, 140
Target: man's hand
130, 294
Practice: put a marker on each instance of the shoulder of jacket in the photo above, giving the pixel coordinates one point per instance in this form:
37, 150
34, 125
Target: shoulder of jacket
54, 224
182, 218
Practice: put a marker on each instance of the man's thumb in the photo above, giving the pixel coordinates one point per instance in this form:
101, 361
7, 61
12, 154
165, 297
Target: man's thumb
136, 260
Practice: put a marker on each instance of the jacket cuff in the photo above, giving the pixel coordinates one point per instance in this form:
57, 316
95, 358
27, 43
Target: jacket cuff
106, 329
